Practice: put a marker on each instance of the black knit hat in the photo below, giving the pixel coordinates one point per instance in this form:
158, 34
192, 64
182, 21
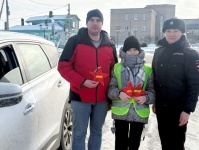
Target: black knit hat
94, 13
174, 23
131, 42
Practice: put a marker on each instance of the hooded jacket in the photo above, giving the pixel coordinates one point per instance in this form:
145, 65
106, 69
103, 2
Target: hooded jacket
79, 58
176, 76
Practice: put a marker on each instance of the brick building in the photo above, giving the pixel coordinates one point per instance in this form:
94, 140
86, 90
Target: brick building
146, 23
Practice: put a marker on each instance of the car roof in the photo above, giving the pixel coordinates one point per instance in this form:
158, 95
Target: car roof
16, 36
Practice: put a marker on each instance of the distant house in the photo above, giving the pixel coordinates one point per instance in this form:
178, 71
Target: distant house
56, 28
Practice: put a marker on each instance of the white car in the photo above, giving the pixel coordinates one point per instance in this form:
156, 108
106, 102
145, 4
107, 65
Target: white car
34, 109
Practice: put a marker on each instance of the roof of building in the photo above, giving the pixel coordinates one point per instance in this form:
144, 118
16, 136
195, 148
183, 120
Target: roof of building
36, 27
54, 17
160, 5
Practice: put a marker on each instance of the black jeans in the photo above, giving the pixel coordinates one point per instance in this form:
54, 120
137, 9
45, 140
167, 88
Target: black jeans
172, 136
128, 135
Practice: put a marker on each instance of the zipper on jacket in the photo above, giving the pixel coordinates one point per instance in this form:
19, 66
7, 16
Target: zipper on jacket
97, 70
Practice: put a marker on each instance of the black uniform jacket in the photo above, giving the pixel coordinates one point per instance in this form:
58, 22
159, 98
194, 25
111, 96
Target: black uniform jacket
176, 76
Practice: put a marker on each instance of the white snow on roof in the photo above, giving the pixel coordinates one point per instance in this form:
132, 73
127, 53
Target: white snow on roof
36, 27
55, 17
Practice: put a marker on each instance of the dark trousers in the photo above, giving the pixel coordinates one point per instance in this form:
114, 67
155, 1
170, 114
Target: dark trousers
127, 135
172, 136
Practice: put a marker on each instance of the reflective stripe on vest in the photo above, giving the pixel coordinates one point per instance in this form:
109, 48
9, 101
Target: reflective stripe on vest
120, 108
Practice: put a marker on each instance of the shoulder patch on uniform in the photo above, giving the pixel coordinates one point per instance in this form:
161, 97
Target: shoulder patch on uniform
178, 54
197, 65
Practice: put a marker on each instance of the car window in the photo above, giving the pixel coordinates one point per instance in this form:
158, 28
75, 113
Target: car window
9, 68
13, 76
52, 53
35, 59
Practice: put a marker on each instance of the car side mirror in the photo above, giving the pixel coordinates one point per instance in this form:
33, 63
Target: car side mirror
10, 94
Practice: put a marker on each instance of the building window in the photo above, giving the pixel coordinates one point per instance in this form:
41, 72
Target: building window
30, 53
161, 18
143, 28
76, 25
118, 28
144, 17
135, 17
126, 28
126, 17
135, 31
73, 24
161, 21
135, 28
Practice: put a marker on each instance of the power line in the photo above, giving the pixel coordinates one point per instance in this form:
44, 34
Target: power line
39, 13
36, 14
25, 5
29, 7
43, 3
1, 8
20, 2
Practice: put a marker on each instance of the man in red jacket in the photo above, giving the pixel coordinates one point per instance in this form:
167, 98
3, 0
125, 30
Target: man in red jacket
86, 62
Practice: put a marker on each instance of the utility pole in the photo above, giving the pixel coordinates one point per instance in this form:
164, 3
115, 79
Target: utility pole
1, 8
64, 33
130, 32
117, 32
53, 28
69, 31
7, 16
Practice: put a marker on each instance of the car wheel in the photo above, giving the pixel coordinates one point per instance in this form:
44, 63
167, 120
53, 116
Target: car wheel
66, 133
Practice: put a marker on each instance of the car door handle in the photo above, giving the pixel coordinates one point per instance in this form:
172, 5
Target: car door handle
59, 84
29, 107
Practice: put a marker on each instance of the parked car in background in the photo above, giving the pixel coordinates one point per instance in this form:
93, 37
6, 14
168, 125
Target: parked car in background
195, 45
34, 109
60, 48
151, 45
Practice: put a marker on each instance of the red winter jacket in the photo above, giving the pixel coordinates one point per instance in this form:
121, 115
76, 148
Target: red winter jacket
80, 57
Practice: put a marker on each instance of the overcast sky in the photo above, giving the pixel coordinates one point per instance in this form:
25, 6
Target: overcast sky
185, 9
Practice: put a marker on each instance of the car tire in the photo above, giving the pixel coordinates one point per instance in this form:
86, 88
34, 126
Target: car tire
66, 131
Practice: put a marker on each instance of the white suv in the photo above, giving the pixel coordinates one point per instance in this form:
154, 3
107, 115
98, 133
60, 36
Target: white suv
34, 109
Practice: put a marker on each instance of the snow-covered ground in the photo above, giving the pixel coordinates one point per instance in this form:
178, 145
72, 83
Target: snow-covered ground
152, 141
